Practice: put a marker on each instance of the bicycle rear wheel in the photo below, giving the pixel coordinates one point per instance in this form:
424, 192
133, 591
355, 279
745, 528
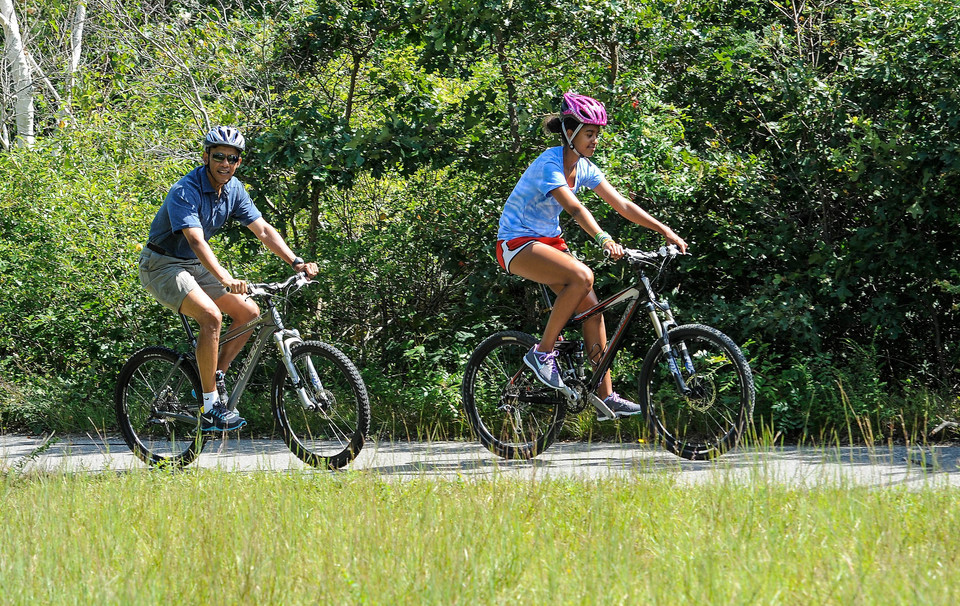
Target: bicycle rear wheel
157, 400
514, 414
326, 427
710, 418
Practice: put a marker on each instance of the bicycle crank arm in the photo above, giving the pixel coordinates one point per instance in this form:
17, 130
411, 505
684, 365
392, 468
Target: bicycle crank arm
601, 407
176, 416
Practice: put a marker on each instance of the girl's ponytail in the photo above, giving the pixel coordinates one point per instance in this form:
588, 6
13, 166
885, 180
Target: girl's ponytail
552, 124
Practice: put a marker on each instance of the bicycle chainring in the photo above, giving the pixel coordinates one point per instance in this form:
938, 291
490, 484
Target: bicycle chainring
581, 404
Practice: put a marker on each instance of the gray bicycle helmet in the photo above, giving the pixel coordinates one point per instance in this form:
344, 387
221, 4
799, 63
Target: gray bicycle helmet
224, 135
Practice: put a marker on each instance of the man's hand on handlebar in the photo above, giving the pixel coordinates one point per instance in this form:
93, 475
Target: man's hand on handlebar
234, 286
310, 269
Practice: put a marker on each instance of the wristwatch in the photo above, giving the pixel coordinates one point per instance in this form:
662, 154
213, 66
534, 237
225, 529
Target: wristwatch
296, 261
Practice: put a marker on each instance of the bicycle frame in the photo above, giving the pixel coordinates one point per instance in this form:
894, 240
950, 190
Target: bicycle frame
633, 297
269, 326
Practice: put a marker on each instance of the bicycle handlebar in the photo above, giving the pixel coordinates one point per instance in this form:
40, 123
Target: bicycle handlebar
640, 256
632, 255
263, 289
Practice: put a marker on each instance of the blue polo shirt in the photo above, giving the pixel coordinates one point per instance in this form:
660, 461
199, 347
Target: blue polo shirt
531, 210
193, 202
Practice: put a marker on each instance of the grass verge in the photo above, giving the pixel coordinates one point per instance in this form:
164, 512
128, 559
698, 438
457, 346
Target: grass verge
205, 537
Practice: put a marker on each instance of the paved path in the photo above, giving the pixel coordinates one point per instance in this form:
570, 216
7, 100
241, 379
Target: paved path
881, 466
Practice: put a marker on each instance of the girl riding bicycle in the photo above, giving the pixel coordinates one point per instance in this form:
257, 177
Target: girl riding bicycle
529, 242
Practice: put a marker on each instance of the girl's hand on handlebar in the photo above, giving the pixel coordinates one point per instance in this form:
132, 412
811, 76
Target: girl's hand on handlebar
612, 249
676, 240
310, 269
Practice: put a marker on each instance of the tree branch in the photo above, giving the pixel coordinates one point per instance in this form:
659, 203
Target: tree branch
194, 101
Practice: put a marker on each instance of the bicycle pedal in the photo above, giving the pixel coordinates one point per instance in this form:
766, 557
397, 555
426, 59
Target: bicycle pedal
603, 411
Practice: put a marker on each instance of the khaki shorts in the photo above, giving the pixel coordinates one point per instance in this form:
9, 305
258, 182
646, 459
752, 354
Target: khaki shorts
170, 279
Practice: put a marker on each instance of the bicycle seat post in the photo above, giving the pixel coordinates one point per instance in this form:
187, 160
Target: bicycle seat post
547, 300
187, 329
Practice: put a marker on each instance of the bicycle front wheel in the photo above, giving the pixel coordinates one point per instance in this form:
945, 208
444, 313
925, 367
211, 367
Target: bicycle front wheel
514, 414
323, 411
157, 400
708, 418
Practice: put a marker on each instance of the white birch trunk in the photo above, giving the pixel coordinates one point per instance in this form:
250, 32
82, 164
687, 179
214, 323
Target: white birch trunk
4, 137
76, 40
20, 73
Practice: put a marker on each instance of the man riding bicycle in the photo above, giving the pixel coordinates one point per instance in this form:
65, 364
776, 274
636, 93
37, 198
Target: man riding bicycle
178, 267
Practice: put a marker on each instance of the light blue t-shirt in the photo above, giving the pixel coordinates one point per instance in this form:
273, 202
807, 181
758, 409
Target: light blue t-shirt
530, 211
193, 202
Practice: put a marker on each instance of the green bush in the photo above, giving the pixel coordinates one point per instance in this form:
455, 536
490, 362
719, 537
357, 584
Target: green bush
71, 223
810, 159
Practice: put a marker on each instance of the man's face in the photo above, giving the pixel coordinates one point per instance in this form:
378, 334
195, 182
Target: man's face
221, 162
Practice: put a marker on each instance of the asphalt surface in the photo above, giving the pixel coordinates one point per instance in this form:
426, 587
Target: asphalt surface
801, 466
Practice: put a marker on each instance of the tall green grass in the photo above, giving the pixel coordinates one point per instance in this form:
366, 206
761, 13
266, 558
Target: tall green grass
211, 537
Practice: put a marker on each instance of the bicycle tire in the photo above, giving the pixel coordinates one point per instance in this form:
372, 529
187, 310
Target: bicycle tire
494, 380
141, 397
331, 434
711, 419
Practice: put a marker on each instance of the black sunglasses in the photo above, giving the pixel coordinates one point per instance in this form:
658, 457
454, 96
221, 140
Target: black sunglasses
220, 157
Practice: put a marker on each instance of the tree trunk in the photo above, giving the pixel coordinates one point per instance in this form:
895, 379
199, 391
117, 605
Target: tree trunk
20, 73
76, 40
4, 134
500, 45
614, 48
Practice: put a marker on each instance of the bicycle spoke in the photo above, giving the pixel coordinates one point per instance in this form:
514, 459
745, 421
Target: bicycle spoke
331, 430
708, 419
153, 382
497, 387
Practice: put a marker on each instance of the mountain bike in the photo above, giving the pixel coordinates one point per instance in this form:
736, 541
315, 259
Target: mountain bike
694, 384
318, 398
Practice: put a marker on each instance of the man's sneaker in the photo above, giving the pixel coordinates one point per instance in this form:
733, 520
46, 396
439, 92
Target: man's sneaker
219, 418
222, 387
621, 407
544, 365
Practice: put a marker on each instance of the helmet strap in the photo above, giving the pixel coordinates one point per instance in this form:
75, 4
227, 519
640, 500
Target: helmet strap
569, 140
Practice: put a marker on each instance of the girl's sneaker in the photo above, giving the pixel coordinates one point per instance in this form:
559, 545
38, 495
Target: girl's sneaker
544, 365
621, 406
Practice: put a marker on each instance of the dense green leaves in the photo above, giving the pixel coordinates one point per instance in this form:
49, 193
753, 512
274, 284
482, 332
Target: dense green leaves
807, 151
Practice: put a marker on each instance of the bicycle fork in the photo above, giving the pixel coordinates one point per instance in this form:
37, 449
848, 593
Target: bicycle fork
286, 340
662, 329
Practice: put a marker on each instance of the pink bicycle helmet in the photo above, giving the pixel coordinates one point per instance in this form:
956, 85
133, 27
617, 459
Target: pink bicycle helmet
585, 109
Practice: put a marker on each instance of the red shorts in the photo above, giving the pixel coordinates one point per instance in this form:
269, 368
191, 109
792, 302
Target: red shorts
508, 249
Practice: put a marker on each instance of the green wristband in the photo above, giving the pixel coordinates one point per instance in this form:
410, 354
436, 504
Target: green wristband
602, 238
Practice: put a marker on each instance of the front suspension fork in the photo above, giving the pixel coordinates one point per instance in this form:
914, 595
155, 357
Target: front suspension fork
672, 353
286, 340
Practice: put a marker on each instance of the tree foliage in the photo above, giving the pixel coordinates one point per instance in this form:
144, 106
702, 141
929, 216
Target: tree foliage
806, 150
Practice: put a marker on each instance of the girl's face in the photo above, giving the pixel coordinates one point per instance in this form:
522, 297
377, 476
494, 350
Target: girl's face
586, 140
